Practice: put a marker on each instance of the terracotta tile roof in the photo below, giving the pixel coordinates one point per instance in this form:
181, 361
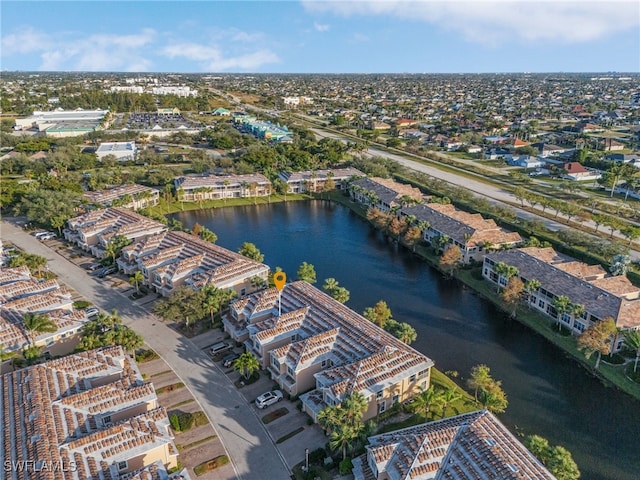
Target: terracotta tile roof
10, 275
473, 445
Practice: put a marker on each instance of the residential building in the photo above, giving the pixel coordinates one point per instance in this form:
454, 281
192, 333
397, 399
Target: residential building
222, 112
633, 158
90, 414
575, 171
169, 260
122, 151
526, 161
192, 188
95, 229
384, 194
602, 295
21, 294
473, 445
315, 180
62, 123
472, 233
311, 343
132, 196
548, 150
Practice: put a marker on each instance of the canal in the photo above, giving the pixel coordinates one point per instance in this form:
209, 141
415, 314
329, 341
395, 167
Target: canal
549, 394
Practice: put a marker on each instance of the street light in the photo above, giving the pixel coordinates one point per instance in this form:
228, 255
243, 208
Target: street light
306, 459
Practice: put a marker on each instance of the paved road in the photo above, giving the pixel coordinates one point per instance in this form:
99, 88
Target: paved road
495, 194
253, 454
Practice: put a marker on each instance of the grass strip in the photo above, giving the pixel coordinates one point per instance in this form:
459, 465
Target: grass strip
212, 464
289, 435
270, 417
185, 402
169, 388
197, 443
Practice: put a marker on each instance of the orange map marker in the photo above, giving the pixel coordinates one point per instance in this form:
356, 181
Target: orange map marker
279, 280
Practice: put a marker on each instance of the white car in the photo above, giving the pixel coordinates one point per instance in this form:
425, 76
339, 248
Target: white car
269, 398
91, 312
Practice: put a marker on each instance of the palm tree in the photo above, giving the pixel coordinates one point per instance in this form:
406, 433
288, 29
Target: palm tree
246, 364
4, 355
530, 287
427, 399
479, 379
330, 284
354, 407
38, 323
343, 436
505, 271
329, 417
562, 304
225, 184
406, 333
136, 279
213, 298
450, 395
632, 340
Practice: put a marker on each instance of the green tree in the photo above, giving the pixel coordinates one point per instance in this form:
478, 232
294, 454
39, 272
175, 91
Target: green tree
505, 271
449, 396
32, 354
426, 400
632, 340
249, 250
136, 279
402, 331
207, 235
342, 437
39, 323
5, 355
598, 339
480, 379
246, 364
379, 314
562, 465
329, 417
184, 304
307, 272
494, 399
115, 246
562, 305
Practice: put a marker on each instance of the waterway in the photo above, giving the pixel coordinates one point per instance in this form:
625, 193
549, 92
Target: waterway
549, 394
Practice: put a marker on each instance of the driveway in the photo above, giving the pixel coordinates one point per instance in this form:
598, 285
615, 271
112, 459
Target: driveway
248, 445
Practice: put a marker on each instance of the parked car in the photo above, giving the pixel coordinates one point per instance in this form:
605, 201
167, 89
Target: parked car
219, 348
47, 236
91, 266
228, 360
107, 271
91, 312
268, 398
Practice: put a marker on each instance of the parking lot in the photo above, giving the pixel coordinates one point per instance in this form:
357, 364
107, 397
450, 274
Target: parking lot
291, 431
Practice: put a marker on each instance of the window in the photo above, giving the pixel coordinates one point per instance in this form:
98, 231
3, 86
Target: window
395, 399
275, 363
423, 373
412, 378
243, 292
382, 406
503, 281
566, 318
379, 394
291, 372
541, 303
486, 272
579, 326
122, 465
106, 419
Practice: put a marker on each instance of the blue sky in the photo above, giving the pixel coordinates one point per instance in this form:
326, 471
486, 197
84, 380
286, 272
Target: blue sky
356, 36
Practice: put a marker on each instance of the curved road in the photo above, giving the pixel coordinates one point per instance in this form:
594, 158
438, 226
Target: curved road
248, 445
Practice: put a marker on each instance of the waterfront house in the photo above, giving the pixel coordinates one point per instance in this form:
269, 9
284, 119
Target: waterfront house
383, 194
601, 294
132, 196
192, 188
95, 229
319, 349
473, 445
90, 411
169, 260
315, 180
575, 171
472, 233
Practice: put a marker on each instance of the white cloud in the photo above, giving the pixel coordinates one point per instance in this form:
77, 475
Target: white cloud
70, 51
491, 22
211, 58
320, 27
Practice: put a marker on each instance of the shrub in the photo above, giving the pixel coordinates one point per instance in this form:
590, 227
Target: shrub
185, 421
345, 466
211, 464
317, 455
146, 355
175, 422
176, 469
80, 304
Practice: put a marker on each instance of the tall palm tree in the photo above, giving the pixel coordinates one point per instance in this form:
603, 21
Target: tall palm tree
354, 407
136, 279
632, 340
562, 304
479, 379
213, 298
246, 364
504, 270
426, 400
450, 395
329, 417
343, 436
530, 287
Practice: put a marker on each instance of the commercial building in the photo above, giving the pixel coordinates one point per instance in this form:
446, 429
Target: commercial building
85, 416
62, 123
262, 129
319, 349
469, 446
122, 151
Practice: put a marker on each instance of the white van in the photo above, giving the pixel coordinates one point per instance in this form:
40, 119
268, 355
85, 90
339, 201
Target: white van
219, 347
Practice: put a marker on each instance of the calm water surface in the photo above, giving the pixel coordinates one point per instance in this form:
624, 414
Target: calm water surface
548, 394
